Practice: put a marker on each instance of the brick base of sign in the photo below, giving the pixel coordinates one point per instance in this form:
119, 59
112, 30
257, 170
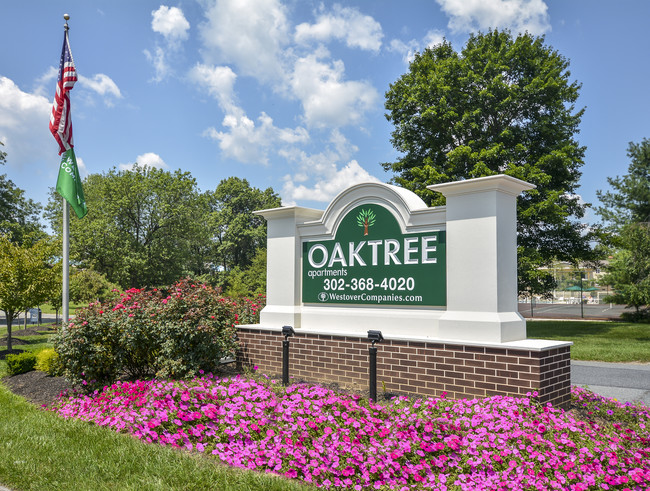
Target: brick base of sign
415, 368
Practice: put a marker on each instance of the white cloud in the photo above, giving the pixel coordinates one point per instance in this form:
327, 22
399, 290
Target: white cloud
249, 143
171, 23
433, 38
344, 23
518, 15
46, 83
408, 50
328, 186
342, 146
250, 34
293, 136
243, 139
148, 159
103, 85
326, 98
219, 82
322, 169
24, 130
157, 59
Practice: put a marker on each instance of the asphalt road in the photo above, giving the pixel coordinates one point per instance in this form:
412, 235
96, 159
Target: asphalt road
627, 382
19, 323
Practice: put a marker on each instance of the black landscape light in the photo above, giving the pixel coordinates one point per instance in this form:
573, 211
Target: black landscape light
287, 332
375, 337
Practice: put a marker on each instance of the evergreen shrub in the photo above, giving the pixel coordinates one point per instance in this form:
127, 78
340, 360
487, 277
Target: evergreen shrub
20, 363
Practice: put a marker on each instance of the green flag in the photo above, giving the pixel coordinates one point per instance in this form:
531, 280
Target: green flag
68, 184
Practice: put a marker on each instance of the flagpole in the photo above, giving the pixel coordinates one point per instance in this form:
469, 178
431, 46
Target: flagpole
68, 183
65, 307
66, 264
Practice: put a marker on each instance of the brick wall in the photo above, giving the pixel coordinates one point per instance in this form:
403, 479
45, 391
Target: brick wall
407, 367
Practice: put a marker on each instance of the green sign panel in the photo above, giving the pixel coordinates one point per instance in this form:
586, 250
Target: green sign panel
371, 262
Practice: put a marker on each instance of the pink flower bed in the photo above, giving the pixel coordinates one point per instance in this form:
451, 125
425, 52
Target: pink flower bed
342, 441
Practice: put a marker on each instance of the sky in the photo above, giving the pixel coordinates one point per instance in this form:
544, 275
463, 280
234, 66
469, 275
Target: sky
287, 94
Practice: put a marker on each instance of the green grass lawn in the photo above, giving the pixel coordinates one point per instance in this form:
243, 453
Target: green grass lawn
597, 341
48, 309
39, 450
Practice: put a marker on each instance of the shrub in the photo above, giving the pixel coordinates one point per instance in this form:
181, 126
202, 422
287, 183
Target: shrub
20, 363
87, 285
247, 310
641, 315
173, 332
47, 361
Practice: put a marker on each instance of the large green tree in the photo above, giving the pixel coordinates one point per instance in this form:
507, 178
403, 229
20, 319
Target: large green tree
237, 232
140, 226
19, 216
629, 199
501, 105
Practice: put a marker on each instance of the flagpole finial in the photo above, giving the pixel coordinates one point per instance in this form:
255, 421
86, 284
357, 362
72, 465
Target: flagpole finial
67, 18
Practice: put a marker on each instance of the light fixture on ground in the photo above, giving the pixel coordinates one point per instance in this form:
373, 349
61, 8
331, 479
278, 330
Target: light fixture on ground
375, 337
287, 332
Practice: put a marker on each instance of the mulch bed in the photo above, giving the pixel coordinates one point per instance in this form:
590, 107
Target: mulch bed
41, 389
16, 341
30, 331
37, 387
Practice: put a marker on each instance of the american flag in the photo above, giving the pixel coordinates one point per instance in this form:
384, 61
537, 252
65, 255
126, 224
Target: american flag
60, 120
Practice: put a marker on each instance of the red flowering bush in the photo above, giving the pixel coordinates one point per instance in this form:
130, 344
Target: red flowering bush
174, 332
248, 309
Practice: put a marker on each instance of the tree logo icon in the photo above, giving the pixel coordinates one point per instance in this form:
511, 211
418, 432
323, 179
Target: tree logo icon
366, 219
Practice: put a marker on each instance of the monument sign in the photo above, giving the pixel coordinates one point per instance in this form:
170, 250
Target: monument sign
439, 283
